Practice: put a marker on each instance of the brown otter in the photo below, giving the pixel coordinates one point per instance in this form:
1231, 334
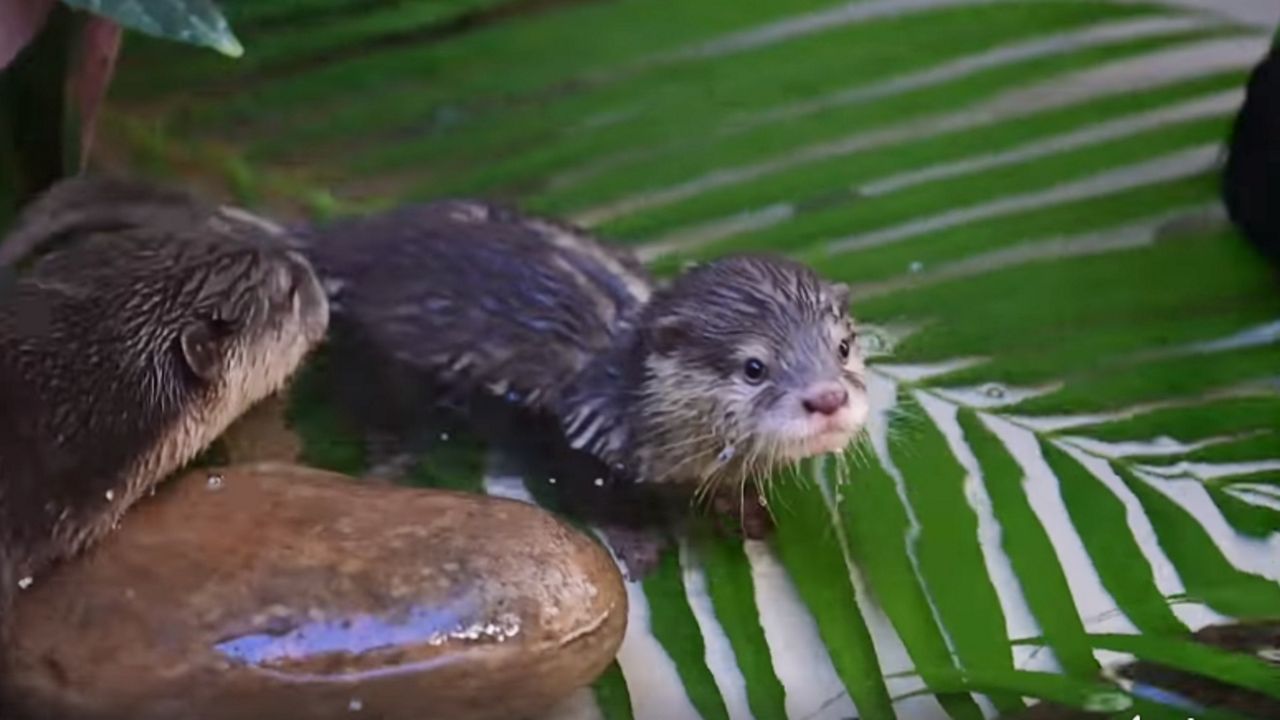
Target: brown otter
705, 384
126, 348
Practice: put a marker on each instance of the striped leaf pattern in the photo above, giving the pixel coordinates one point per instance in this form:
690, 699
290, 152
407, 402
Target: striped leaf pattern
1074, 455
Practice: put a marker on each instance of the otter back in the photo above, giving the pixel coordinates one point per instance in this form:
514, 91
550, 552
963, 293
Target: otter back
453, 299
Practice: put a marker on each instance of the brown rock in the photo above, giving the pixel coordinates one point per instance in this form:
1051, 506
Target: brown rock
276, 592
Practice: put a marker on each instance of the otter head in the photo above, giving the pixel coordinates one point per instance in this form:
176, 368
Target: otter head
145, 344
234, 314
750, 364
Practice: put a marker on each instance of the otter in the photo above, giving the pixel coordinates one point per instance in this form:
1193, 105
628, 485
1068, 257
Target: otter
699, 387
129, 341
1250, 183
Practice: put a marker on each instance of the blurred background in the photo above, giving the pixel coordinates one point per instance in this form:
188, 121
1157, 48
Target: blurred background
1075, 356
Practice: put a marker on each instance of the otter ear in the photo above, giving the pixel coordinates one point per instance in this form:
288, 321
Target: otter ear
667, 335
840, 292
201, 349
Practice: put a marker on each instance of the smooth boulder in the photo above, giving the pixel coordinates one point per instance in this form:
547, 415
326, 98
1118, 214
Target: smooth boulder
276, 591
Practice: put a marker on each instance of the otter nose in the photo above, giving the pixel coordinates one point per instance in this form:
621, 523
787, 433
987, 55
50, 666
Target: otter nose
826, 399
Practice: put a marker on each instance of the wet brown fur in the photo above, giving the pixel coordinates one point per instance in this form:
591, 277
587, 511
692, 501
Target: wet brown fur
126, 347
450, 303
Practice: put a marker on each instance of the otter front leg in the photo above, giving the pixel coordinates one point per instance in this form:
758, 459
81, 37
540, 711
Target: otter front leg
638, 549
744, 508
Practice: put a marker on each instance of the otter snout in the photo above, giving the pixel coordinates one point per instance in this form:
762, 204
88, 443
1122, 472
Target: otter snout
826, 399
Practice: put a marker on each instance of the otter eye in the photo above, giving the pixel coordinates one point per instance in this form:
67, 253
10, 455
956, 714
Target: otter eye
844, 349
755, 371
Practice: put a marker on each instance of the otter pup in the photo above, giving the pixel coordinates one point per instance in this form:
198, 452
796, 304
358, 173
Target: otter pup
703, 385
126, 349
1251, 176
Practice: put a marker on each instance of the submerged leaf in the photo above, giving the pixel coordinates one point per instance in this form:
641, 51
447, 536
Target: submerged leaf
197, 22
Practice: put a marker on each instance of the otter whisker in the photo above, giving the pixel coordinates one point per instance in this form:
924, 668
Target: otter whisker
707, 487
842, 468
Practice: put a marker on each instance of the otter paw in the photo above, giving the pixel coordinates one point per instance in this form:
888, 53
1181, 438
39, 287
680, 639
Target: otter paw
639, 550
742, 514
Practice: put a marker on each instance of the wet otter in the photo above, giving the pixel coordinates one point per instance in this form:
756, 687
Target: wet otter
126, 347
1251, 177
703, 385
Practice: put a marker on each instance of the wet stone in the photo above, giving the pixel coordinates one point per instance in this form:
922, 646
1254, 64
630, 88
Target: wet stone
295, 593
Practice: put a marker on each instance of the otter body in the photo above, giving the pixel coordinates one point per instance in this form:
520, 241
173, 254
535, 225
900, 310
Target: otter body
450, 304
706, 383
125, 350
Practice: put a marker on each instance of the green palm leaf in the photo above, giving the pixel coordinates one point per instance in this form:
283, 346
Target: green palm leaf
1076, 453
198, 22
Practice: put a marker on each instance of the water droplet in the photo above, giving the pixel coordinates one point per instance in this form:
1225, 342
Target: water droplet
444, 436
994, 391
916, 266
512, 396
111, 495
1107, 702
551, 480
25, 582
214, 482
726, 454
356, 705
599, 482
764, 501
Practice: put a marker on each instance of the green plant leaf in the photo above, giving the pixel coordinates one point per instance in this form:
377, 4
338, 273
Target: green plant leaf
196, 22
1233, 668
1073, 453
